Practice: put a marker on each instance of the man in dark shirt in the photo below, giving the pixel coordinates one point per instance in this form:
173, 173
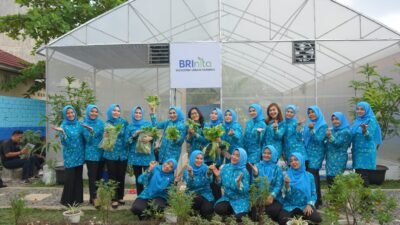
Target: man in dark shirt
11, 153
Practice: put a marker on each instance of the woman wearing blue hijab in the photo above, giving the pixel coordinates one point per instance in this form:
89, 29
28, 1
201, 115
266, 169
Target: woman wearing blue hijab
170, 149
156, 180
71, 135
116, 160
254, 133
93, 154
198, 180
267, 168
233, 132
138, 160
337, 142
299, 192
366, 136
293, 137
216, 118
235, 181
314, 136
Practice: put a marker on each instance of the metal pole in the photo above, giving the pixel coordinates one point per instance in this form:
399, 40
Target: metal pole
315, 58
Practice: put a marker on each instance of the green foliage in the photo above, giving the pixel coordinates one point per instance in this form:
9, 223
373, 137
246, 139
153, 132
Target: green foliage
151, 131
359, 204
142, 146
180, 203
105, 194
79, 97
153, 213
130, 171
297, 221
259, 193
383, 94
17, 203
192, 125
172, 133
213, 150
110, 139
73, 209
153, 100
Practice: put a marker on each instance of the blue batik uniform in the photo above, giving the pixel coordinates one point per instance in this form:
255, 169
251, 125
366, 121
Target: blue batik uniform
157, 182
201, 180
364, 145
252, 139
170, 149
293, 138
207, 159
314, 139
272, 171
119, 151
93, 139
134, 158
197, 140
237, 197
72, 141
273, 136
337, 145
301, 191
235, 141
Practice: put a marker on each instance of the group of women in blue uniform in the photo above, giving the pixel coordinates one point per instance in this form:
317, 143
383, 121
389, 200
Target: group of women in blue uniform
222, 184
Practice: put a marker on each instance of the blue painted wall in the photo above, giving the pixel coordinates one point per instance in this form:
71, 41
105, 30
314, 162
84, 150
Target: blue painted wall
20, 114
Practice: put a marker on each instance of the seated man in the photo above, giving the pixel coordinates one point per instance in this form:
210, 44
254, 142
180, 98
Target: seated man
10, 153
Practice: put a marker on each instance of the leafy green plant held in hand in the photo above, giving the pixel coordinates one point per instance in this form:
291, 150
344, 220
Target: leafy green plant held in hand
192, 125
79, 96
142, 146
17, 203
153, 100
151, 131
212, 134
180, 203
105, 194
359, 204
172, 133
111, 136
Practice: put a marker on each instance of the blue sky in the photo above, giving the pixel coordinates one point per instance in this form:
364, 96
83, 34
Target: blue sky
385, 11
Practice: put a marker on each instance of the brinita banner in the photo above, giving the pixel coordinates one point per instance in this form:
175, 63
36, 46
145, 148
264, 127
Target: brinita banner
195, 65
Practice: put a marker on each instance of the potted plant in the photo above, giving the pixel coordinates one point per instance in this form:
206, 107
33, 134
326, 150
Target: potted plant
180, 205
348, 196
73, 213
383, 94
297, 221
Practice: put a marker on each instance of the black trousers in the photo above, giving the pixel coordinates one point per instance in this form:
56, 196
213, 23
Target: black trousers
272, 211
202, 205
315, 173
330, 180
116, 171
139, 205
73, 186
95, 169
138, 170
364, 173
225, 209
215, 188
27, 164
284, 216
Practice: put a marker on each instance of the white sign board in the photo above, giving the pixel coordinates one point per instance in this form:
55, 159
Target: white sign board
195, 65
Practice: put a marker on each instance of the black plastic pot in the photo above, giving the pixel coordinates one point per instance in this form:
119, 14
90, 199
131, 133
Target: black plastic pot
60, 171
378, 176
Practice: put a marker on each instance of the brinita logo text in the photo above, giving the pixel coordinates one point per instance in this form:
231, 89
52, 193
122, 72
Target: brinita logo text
199, 63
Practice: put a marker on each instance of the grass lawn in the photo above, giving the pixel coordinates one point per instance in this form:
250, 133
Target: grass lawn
48, 216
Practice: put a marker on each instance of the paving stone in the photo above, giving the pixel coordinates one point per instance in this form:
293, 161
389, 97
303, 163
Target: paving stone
36, 197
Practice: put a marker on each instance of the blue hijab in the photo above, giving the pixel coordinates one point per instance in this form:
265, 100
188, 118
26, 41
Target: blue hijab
292, 107
260, 114
299, 178
369, 115
197, 169
318, 122
242, 159
87, 119
135, 122
227, 125
268, 167
219, 120
179, 112
343, 121
66, 121
109, 113
160, 180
